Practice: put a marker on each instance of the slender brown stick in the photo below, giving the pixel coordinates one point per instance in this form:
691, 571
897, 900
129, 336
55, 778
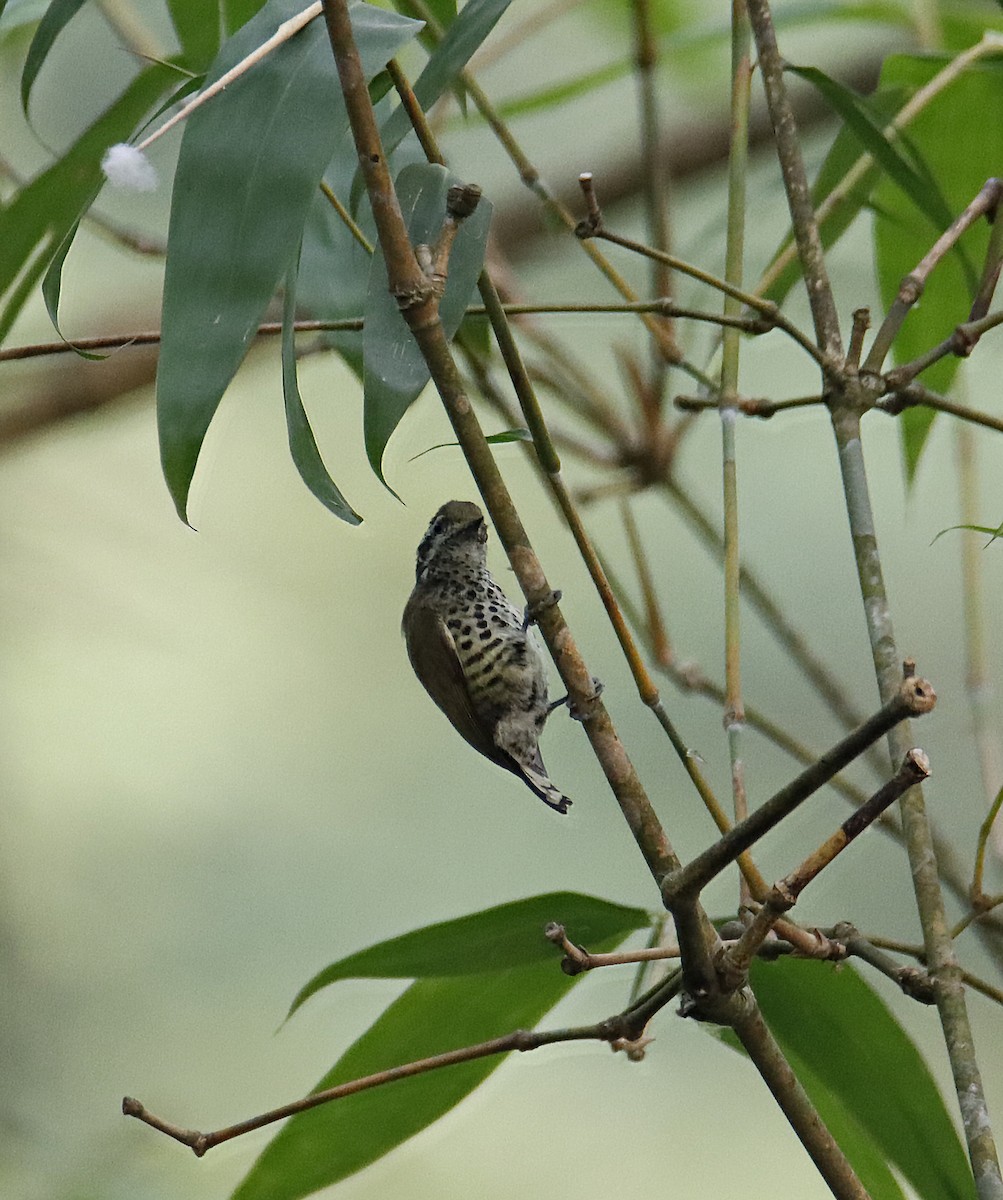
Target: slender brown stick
911, 287
519, 1039
785, 892
914, 697
789, 1094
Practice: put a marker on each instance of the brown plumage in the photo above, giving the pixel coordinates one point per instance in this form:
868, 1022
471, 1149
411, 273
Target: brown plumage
472, 653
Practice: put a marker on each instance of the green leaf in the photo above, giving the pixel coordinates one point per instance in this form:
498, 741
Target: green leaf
302, 443
248, 171
463, 37
508, 935
197, 24
35, 222
843, 153
962, 152
331, 253
854, 1058
921, 189
395, 372
57, 16
493, 439
994, 534
52, 285
499, 974
328, 1143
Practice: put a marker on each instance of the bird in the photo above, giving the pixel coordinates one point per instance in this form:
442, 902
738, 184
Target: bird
473, 651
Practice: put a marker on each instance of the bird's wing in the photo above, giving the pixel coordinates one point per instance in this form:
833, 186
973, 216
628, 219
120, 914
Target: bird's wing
432, 652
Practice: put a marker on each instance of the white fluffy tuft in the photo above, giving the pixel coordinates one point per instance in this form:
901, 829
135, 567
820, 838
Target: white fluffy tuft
126, 167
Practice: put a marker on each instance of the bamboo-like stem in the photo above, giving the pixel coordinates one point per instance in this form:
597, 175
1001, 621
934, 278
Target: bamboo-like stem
845, 407
587, 230
806, 235
614, 1028
653, 169
978, 681
531, 177
981, 903
796, 645
734, 709
919, 395
785, 892
943, 963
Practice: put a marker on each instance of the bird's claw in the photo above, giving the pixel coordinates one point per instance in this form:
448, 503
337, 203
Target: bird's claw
532, 612
598, 687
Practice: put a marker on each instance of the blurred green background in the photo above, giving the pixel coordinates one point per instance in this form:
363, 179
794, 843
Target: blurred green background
220, 773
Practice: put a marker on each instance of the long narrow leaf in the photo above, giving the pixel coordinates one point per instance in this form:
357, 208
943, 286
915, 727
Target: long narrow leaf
52, 283
249, 168
518, 981
395, 372
302, 443
922, 189
509, 935
463, 37
57, 16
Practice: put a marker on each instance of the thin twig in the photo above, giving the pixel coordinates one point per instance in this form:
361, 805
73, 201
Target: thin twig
914, 697
785, 892
911, 287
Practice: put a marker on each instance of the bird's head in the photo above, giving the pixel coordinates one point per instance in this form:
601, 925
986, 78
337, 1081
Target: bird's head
456, 534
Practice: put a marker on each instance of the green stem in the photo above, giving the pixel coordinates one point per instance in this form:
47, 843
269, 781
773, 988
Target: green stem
734, 712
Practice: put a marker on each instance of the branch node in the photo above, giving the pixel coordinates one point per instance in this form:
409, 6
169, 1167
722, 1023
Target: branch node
916, 694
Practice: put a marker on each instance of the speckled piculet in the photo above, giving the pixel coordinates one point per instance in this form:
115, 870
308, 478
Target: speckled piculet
472, 650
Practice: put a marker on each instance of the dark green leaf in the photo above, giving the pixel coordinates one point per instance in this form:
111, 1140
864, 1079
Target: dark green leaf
844, 152
57, 15
52, 284
464, 36
302, 443
509, 435
921, 189
962, 151
395, 371
197, 24
332, 1141
508, 935
35, 222
861, 1061
248, 171
497, 974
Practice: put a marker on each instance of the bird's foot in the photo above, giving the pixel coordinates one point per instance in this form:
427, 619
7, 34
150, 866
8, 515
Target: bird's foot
598, 687
532, 612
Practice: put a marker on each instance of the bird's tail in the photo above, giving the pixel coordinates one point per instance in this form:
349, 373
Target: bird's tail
537, 780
